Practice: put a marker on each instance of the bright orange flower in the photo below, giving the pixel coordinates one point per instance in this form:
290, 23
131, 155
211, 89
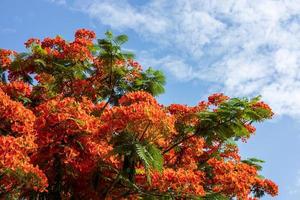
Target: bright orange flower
264, 106
31, 41
15, 162
139, 114
217, 98
5, 58
187, 182
16, 89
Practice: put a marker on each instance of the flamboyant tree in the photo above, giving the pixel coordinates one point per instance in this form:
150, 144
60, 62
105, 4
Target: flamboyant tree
79, 120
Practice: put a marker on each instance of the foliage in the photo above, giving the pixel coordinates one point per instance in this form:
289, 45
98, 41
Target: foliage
79, 121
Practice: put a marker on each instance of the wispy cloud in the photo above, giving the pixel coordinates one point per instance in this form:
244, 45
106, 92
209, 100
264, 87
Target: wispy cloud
174, 65
247, 47
295, 189
7, 30
120, 14
59, 2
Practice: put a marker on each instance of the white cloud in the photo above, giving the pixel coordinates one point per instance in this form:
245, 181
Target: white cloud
120, 14
173, 65
249, 47
59, 2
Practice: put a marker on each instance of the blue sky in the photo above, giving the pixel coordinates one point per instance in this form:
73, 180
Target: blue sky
239, 47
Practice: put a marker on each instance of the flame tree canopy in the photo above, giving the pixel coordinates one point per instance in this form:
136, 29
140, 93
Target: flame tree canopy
79, 120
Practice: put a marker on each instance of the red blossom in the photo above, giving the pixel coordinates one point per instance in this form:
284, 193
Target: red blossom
264, 106
16, 89
31, 41
250, 128
217, 98
188, 182
85, 34
5, 57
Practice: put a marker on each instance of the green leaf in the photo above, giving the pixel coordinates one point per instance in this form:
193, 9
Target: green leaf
40, 61
151, 81
80, 122
156, 157
151, 157
254, 162
239, 129
80, 145
25, 100
121, 39
127, 54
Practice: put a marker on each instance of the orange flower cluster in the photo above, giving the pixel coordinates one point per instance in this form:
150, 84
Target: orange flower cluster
66, 115
217, 98
264, 106
135, 65
234, 179
70, 135
5, 58
237, 179
15, 118
77, 50
267, 185
184, 181
16, 89
140, 114
179, 109
32, 41
136, 97
16, 140
135, 70
187, 155
187, 114
250, 128
230, 151
129, 67
15, 163
44, 78
85, 36
82, 87
66, 127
